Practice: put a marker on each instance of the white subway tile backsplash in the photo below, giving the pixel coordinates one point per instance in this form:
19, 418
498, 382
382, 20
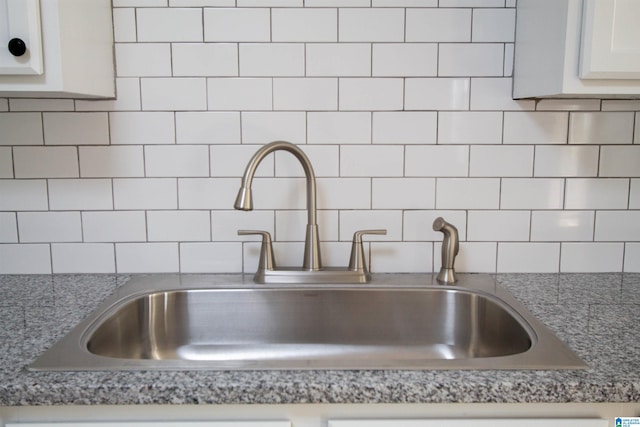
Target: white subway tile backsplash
211, 257
143, 59
371, 160
277, 193
305, 94
344, 193
111, 161
229, 161
352, 221
467, 193
494, 93
404, 3
494, 25
34, 104
139, 3
324, 158
45, 162
407, 257
339, 127
24, 195
620, 161
535, 127
471, 59
76, 128
270, 3
115, 226
473, 257
200, 127
176, 160
226, 223
591, 257
632, 258
124, 25
500, 160
634, 195
436, 94
469, 127
25, 259
569, 161
438, 25
406, 127
437, 160
42, 227
142, 128
239, 94
171, 226
173, 93
8, 227
528, 193
372, 94
147, 258
80, 194
128, 98
204, 59
338, 59
404, 60
207, 193
75, 258
617, 226
6, 162
601, 128
169, 24
371, 25
277, 59
21, 129
597, 193
292, 226
264, 127
145, 193
403, 193
528, 257
418, 224
507, 226
562, 226
237, 25
304, 25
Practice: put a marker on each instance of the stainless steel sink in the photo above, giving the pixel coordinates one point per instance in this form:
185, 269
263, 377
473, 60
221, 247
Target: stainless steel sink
184, 322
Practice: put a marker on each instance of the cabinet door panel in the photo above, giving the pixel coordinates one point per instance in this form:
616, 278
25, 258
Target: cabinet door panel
523, 422
20, 19
610, 46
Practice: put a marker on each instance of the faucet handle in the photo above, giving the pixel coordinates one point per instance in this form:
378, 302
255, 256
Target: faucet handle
357, 262
267, 261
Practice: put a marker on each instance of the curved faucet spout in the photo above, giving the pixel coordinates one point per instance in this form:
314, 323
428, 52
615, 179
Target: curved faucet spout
312, 259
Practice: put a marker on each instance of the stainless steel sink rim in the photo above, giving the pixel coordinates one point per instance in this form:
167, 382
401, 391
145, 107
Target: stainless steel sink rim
546, 350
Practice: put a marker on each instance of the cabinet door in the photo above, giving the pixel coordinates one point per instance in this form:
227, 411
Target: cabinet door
20, 37
158, 424
519, 422
610, 46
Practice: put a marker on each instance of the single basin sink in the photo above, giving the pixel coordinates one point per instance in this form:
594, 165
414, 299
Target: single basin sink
170, 326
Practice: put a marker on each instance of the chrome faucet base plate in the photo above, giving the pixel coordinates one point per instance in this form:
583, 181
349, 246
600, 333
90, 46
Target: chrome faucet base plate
293, 275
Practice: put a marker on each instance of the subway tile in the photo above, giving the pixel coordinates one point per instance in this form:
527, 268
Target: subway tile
406, 257
305, 94
45, 227
202, 3
139, 3
620, 161
470, 59
278, 193
111, 162
337, 3
272, 59
528, 257
145, 193
231, 160
632, 258
80, 194
4, 104
621, 105
83, 258
437, 161
45, 162
601, 128
535, 127
169, 24
436, 94
207, 193
239, 93
371, 94
204, 59
405, 60
472, 3
403, 193
371, 160
418, 224
438, 25
569, 161
337, 254
474, 257
339, 127
469, 127
214, 257
147, 258
634, 194
352, 221
338, 59
304, 25
509, 53
128, 98
237, 25
76, 128
595, 193
291, 226
173, 93
116, 226
532, 193
467, 193
509, 226
226, 223
270, 3
617, 226
35, 104
124, 25
501, 161
203, 127
6, 162
142, 127
324, 158
176, 160
494, 93
171, 226
344, 193
494, 25
568, 104
406, 127
8, 227
143, 59
371, 25
25, 259
21, 129
562, 226
591, 257
23, 195
404, 3
263, 127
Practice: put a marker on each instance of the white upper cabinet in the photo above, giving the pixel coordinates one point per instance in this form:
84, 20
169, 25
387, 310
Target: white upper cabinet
577, 48
56, 49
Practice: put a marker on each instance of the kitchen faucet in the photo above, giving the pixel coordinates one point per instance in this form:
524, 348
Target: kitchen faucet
312, 270
450, 247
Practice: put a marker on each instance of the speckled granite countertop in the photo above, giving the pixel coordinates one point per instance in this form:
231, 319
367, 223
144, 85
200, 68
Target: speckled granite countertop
596, 314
